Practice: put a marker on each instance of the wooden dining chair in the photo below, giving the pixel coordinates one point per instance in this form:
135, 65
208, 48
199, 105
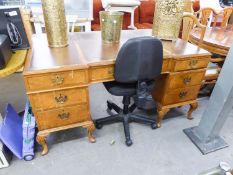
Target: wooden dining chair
211, 75
207, 15
212, 18
224, 15
220, 19
189, 22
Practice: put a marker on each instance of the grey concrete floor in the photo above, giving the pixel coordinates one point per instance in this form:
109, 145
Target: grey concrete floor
162, 151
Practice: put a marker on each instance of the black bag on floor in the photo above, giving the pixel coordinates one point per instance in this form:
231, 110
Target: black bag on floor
5, 51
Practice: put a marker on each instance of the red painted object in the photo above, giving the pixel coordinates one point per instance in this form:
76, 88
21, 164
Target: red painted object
196, 5
143, 16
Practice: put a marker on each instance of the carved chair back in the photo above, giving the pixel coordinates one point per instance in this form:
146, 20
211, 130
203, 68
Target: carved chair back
189, 22
225, 14
206, 15
209, 15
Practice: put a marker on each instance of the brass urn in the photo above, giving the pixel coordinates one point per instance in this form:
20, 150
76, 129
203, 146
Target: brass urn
111, 25
167, 19
55, 22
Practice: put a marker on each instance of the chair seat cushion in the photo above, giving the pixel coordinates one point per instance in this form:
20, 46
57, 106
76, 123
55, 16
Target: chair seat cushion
121, 89
212, 72
212, 68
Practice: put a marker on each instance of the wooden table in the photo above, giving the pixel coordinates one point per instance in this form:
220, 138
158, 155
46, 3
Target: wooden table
57, 79
216, 40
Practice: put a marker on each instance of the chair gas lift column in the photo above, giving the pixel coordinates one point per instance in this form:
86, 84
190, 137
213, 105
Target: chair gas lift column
123, 6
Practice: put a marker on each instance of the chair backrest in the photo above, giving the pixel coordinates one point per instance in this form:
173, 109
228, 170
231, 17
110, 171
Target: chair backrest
139, 59
206, 15
189, 22
225, 14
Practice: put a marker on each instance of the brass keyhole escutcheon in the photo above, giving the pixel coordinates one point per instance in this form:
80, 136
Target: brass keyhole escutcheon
183, 94
57, 79
64, 115
193, 63
61, 99
187, 80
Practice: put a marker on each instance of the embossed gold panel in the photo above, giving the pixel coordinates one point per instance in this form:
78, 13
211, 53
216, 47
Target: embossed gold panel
111, 25
55, 22
167, 18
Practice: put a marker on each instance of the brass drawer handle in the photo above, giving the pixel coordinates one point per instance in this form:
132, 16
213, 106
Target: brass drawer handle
187, 80
58, 79
183, 94
64, 115
61, 99
193, 63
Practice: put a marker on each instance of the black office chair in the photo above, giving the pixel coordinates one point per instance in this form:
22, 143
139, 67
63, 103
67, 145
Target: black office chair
139, 59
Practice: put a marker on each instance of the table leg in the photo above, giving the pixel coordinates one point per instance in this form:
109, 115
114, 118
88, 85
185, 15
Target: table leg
41, 139
132, 26
161, 114
193, 107
90, 130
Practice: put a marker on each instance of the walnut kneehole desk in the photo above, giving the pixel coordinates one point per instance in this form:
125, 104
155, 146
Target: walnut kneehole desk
57, 79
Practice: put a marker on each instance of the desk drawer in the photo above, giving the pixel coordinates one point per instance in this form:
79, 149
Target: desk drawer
195, 63
60, 98
181, 95
63, 116
184, 79
102, 73
165, 66
56, 80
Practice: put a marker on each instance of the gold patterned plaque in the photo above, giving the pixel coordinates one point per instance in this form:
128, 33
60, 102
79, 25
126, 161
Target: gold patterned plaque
55, 22
167, 19
111, 25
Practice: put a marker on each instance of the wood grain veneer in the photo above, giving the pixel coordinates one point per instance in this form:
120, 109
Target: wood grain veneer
216, 40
